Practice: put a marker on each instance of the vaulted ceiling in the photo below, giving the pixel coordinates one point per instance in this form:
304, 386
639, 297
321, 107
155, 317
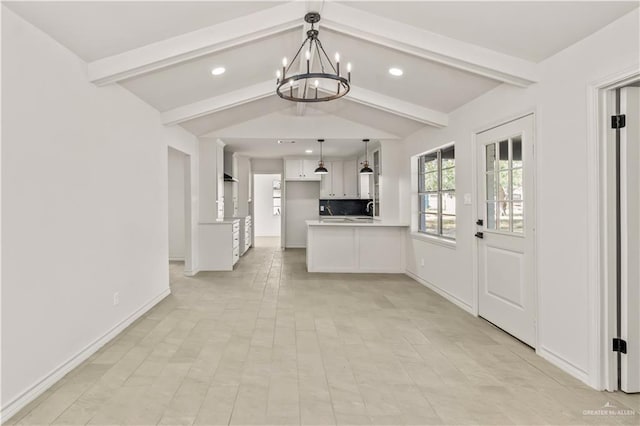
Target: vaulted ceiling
451, 53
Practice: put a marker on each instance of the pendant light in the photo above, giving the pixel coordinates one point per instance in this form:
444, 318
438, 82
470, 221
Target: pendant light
321, 170
366, 170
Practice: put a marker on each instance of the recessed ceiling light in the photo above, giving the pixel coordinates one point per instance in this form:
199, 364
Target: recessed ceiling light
309, 151
218, 71
283, 141
397, 72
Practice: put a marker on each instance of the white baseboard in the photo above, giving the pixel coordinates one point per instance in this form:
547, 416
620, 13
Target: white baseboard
563, 364
59, 372
297, 246
450, 297
176, 258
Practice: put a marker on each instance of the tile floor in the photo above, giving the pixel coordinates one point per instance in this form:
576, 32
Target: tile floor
271, 344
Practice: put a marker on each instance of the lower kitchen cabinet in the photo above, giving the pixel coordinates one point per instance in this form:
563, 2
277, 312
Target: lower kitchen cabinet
246, 232
219, 245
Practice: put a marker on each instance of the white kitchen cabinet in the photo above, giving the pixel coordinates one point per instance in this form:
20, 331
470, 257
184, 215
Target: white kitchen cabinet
298, 169
246, 231
219, 245
350, 178
341, 180
365, 187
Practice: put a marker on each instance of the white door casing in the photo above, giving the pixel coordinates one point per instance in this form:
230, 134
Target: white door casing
506, 242
630, 238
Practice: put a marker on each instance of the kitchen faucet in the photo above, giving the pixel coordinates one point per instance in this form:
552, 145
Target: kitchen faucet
369, 205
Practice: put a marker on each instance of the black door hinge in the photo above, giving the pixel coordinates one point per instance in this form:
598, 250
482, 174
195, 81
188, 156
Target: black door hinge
619, 345
618, 121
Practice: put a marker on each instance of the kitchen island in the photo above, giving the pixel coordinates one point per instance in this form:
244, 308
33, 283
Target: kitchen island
355, 245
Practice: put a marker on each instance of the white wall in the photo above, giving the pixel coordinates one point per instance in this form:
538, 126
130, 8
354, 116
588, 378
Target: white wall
176, 180
266, 224
84, 196
560, 103
301, 205
267, 165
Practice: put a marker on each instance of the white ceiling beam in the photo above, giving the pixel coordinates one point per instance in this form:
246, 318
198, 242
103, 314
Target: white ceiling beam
218, 103
398, 107
428, 45
196, 43
265, 89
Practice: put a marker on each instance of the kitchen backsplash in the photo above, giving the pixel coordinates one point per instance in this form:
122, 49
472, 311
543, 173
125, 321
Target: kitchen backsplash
345, 208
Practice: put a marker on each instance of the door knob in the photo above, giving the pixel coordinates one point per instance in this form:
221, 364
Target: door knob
479, 235
479, 222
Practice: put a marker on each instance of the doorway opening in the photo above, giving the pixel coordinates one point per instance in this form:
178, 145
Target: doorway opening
615, 224
267, 209
179, 210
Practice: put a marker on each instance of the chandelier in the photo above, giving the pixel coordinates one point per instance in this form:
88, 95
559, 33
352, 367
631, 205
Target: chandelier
304, 86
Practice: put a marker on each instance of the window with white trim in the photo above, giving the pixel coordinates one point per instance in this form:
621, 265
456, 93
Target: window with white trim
437, 193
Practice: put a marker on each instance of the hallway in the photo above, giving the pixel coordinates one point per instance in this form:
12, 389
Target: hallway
271, 344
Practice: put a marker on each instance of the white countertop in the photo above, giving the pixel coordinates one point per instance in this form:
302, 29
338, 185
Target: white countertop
346, 222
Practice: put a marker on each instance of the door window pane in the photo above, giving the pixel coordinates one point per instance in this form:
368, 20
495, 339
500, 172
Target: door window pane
518, 217
491, 215
504, 216
516, 149
491, 157
491, 186
503, 150
517, 184
503, 188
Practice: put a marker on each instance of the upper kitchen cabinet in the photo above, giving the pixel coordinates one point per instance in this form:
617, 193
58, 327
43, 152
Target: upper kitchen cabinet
341, 180
350, 177
299, 169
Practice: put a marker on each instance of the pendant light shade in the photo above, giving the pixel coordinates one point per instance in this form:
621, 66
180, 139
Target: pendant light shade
321, 169
366, 170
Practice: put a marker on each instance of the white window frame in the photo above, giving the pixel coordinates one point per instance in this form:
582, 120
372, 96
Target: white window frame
420, 190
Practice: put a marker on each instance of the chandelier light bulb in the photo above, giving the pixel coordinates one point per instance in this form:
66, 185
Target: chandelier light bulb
348, 66
278, 74
307, 55
316, 83
337, 57
284, 61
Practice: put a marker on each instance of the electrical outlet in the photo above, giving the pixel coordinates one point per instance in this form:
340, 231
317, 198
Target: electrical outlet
116, 298
422, 262
321, 208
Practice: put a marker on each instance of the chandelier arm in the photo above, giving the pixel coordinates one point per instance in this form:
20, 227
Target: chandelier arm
327, 56
319, 57
296, 56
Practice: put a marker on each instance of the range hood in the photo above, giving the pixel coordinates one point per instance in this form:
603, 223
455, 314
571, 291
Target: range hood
229, 178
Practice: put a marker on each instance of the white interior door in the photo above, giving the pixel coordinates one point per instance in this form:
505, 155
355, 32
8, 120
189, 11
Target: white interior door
630, 239
506, 293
